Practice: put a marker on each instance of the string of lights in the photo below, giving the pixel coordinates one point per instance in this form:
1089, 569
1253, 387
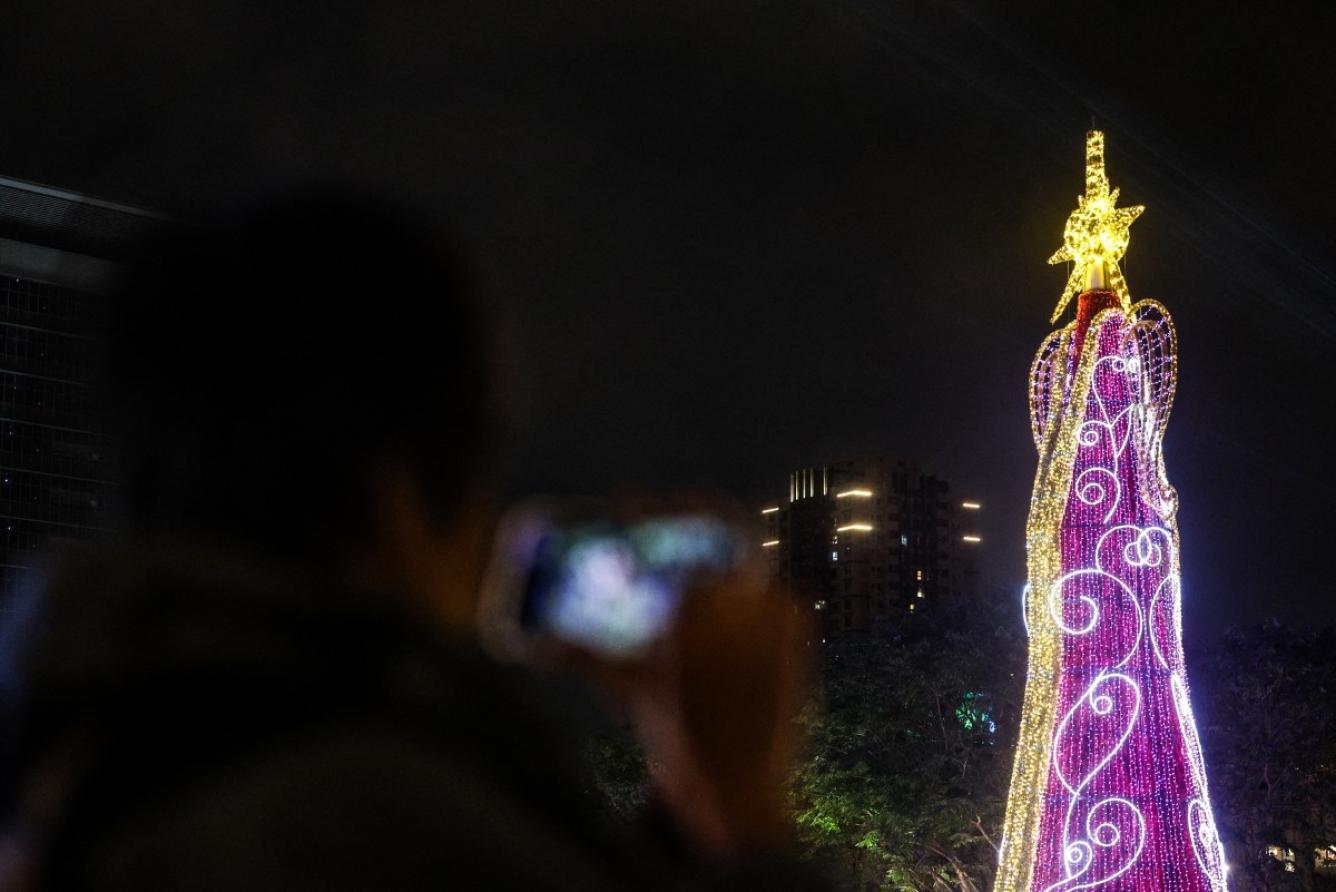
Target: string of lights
1097, 232
1108, 785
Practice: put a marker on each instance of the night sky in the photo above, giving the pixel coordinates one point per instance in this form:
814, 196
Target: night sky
730, 239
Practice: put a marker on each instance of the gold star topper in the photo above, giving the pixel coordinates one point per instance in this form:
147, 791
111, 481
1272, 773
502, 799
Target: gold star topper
1096, 234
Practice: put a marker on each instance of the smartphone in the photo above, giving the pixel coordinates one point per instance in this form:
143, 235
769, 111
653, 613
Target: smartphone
609, 585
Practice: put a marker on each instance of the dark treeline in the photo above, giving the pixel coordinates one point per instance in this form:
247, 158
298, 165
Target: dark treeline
1266, 698
910, 738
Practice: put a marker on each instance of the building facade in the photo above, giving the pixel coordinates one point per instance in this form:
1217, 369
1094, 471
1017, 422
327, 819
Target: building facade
58, 251
870, 541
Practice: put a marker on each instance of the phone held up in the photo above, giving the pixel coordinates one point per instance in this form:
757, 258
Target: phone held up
584, 576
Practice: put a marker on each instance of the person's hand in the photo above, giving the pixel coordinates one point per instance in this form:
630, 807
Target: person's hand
715, 706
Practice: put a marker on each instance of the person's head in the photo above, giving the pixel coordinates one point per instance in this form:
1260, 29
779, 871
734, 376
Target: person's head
309, 380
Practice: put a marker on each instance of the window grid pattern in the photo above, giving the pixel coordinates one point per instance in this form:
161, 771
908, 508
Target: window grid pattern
54, 480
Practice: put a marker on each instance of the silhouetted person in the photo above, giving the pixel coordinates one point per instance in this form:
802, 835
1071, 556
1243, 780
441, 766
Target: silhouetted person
269, 679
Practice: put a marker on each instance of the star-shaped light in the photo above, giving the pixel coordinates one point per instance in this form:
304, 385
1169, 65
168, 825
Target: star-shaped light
1097, 231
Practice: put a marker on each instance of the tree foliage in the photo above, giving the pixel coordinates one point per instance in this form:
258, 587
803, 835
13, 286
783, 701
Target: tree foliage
1270, 741
909, 756
616, 775
910, 740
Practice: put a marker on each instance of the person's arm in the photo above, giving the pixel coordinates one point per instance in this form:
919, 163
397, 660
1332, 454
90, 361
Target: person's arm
715, 707
346, 808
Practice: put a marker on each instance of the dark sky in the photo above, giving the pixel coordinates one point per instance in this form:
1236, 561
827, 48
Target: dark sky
733, 238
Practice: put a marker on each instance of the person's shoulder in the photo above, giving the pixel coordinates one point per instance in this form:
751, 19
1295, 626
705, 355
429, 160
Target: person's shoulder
349, 807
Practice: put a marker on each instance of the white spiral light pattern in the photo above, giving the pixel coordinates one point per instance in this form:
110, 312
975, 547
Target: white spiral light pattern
1109, 789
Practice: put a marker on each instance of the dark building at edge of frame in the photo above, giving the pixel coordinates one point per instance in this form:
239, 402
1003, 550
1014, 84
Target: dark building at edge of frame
870, 541
59, 251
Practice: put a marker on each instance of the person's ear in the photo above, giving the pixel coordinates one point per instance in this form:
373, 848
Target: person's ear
435, 559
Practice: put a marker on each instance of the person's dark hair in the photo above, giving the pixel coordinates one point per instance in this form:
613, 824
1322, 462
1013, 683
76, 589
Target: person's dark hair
258, 372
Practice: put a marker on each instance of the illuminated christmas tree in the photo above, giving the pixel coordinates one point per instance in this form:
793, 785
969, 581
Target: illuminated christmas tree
1108, 790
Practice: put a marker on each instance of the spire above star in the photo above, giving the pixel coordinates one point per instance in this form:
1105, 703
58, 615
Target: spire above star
1097, 232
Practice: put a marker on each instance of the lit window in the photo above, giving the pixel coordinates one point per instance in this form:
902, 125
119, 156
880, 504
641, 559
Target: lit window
1283, 855
834, 555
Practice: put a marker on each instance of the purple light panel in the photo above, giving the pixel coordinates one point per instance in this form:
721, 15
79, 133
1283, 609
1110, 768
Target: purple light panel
1125, 802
